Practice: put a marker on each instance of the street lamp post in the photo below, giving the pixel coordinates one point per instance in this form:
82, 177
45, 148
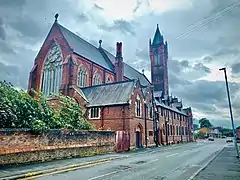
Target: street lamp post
230, 109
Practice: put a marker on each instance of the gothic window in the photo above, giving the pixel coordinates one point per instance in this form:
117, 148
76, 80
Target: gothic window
138, 106
157, 58
108, 80
96, 79
150, 110
82, 77
52, 71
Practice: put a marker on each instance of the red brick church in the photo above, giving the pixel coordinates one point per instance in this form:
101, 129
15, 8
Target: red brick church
114, 95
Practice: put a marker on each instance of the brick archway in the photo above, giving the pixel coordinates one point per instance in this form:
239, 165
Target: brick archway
139, 135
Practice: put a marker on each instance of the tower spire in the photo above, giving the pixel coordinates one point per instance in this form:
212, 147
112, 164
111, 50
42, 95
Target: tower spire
158, 38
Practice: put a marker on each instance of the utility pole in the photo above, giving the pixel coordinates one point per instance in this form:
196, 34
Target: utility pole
230, 109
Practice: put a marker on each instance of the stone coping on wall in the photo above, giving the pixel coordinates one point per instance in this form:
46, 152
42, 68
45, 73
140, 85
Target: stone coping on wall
32, 149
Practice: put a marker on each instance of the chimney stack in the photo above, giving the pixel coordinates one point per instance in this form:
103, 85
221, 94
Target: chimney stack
119, 63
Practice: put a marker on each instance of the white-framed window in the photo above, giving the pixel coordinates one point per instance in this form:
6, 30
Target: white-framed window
82, 76
138, 106
52, 71
94, 113
96, 79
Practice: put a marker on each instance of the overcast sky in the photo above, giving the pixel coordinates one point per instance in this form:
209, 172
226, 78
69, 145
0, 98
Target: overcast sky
203, 36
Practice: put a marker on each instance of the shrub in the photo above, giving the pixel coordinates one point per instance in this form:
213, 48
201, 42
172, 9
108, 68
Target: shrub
19, 110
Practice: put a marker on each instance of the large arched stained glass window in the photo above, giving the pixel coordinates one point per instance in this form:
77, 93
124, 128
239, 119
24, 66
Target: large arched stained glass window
52, 71
82, 77
96, 79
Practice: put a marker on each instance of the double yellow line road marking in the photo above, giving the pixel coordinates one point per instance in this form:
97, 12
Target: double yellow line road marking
32, 176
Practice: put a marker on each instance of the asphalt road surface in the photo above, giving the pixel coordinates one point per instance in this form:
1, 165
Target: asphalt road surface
175, 162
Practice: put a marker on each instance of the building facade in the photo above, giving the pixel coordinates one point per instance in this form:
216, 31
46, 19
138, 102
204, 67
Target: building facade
113, 94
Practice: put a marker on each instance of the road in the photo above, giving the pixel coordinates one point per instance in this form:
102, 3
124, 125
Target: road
175, 162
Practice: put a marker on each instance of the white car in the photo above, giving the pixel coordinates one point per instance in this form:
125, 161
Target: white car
229, 140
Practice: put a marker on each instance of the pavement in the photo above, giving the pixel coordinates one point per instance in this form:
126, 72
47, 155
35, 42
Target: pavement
171, 162
224, 167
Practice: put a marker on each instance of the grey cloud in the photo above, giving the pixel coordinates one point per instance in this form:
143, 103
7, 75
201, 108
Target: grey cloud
6, 3
83, 18
27, 27
6, 48
139, 2
119, 25
143, 54
201, 67
9, 73
2, 31
184, 63
98, 7
236, 68
207, 59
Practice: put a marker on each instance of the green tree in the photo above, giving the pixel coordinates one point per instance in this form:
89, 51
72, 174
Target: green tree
195, 126
205, 123
70, 115
19, 110
238, 127
200, 134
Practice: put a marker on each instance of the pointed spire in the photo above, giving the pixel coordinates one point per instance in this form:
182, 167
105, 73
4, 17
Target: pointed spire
158, 38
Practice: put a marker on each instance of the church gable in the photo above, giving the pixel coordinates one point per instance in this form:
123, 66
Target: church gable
85, 49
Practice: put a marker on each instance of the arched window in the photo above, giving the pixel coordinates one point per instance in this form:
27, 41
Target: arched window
52, 71
156, 58
138, 106
108, 80
82, 77
150, 110
96, 79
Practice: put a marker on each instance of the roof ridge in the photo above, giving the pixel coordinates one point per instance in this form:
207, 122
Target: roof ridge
112, 83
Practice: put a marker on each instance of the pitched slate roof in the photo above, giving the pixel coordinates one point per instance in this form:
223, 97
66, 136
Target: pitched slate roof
169, 108
89, 51
85, 49
109, 94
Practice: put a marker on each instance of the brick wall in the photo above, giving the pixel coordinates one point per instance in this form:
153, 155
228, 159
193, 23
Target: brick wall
22, 146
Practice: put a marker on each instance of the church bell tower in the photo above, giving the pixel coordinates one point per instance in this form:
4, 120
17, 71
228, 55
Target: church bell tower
158, 50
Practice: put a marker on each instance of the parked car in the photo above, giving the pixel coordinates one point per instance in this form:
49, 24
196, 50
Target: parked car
210, 139
223, 137
229, 140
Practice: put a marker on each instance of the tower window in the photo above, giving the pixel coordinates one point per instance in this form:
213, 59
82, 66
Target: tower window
156, 59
